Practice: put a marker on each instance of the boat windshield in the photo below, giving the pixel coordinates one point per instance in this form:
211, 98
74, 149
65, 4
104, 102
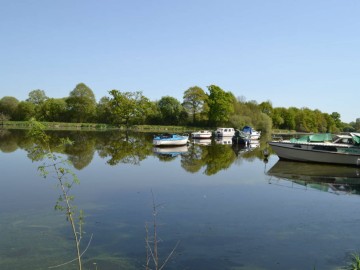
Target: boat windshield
356, 138
324, 137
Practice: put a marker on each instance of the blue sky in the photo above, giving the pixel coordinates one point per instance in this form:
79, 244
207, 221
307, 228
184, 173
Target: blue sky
301, 53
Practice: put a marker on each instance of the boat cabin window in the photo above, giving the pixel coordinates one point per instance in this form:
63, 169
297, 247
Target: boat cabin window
345, 141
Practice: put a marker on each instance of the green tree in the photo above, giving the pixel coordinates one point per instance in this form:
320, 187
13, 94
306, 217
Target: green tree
221, 105
171, 110
128, 108
357, 124
103, 110
25, 111
154, 115
3, 118
194, 100
289, 118
81, 104
337, 119
8, 106
277, 117
266, 107
37, 97
53, 110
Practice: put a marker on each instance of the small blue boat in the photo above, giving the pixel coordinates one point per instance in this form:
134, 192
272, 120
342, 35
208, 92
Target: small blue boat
170, 139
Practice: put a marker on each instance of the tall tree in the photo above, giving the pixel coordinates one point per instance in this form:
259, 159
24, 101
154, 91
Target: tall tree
221, 105
128, 108
81, 104
194, 100
266, 107
37, 97
103, 110
171, 110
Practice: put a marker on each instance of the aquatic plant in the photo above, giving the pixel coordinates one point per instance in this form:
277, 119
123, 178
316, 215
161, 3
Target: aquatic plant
152, 252
355, 262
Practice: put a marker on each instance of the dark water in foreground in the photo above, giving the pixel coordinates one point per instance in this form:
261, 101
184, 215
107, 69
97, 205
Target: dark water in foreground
227, 207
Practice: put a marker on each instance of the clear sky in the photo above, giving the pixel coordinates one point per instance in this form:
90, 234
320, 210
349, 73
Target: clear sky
301, 53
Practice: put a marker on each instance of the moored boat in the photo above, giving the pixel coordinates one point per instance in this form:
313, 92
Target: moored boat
240, 138
321, 148
201, 134
170, 140
225, 132
254, 134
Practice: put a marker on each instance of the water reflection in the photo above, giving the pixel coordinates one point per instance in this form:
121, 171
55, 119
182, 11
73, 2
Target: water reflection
329, 178
131, 148
169, 153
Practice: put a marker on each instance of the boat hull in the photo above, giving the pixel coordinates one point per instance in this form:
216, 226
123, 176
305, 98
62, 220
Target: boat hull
319, 153
170, 140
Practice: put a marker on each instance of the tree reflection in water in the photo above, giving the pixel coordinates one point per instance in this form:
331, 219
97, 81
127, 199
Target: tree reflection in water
130, 148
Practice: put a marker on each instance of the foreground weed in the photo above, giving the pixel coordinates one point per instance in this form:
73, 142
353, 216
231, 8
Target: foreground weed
152, 253
355, 262
60, 169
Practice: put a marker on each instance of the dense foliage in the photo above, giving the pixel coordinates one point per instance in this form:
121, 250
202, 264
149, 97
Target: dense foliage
212, 108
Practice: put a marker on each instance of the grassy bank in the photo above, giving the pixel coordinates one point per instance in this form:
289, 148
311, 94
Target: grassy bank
56, 125
96, 126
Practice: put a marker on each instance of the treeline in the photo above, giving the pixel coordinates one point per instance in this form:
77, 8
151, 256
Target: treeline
212, 108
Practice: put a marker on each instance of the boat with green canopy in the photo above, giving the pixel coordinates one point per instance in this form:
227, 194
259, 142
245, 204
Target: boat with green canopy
320, 148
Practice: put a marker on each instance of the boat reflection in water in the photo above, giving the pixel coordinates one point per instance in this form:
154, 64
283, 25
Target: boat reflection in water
335, 179
224, 140
170, 151
202, 141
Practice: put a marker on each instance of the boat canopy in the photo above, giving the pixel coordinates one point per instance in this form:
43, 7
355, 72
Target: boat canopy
247, 129
323, 137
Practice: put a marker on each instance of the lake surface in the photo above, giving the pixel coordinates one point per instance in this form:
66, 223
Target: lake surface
225, 206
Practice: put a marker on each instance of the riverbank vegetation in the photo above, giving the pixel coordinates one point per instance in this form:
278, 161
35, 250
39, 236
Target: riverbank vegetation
199, 108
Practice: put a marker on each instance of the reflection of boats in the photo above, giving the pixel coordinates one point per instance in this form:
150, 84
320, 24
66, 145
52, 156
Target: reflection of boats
170, 151
254, 143
240, 137
323, 148
320, 176
224, 140
170, 140
202, 141
225, 132
240, 149
254, 134
201, 134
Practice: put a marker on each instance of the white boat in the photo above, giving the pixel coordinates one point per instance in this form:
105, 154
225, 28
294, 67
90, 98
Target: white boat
254, 134
201, 134
170, 140
321, 148
225, 132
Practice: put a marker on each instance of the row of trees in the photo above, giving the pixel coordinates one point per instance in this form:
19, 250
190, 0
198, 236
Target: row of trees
215, 107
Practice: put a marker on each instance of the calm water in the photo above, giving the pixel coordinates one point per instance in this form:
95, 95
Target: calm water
227, 207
